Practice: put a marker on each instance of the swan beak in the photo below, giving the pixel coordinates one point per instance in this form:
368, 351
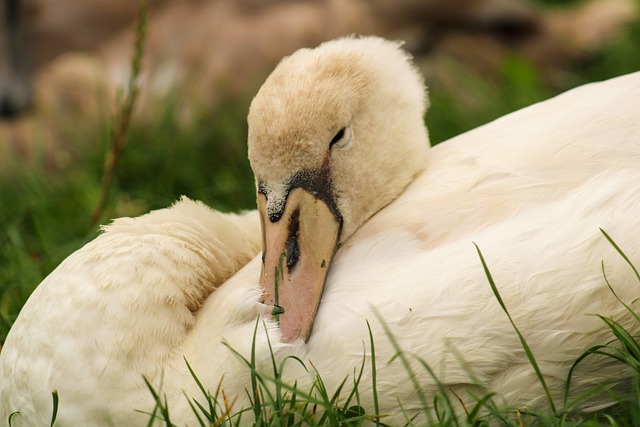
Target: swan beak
297, 251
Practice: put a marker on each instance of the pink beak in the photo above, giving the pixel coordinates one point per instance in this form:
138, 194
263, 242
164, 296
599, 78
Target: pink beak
297, 252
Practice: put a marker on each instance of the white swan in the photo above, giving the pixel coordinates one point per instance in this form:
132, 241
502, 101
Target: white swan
339, 151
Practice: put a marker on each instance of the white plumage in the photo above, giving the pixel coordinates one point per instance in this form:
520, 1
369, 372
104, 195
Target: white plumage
531, 189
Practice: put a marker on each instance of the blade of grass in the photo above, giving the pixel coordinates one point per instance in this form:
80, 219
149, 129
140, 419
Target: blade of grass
356, 384
399, 354
629, 309
13, 414
160, 406
257, 407
54, 414
120, 129
629, 343
622, 254
195, 377
449, 417
195, 411
523, 342
211, 411
374, 382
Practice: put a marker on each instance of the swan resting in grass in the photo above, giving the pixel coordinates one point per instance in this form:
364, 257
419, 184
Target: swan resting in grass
349, 189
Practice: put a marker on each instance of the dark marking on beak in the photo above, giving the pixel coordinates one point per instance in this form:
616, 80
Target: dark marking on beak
291, 246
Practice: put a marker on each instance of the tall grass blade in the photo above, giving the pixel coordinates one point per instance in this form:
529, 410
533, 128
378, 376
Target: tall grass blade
629, 354
152, 417
257, 406
195, 411
628, 342
399, 354
484, 402
204, 391
13, 414
54, 414
374, 379
276, 374
327, 402
448, 417
523, 342
593, 350
211, 411
161, 406
622, 254
354, 393
625, 305
120, 129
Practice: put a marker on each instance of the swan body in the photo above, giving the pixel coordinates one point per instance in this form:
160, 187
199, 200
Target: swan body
531, 190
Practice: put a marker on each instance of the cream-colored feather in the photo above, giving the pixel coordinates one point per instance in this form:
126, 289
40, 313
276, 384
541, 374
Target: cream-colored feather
531, 189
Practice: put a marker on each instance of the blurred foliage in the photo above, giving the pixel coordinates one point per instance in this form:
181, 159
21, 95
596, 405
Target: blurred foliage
206, 160
518, 86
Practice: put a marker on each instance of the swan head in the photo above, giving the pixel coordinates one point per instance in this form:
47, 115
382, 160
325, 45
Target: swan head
335, 134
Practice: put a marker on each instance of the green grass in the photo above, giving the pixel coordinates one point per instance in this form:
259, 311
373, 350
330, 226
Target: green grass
47, 214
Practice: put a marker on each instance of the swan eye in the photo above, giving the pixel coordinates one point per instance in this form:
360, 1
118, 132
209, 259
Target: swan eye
341, 138
338, 137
